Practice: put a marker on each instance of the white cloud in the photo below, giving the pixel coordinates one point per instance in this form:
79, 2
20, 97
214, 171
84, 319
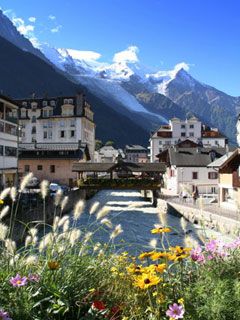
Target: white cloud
56, 29
84, 55
128, 55
32, 19
51, 17
25, 29
181, 65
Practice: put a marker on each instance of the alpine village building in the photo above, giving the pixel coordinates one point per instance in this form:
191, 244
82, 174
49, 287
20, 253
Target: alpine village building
55, 133
9, 137
179, 130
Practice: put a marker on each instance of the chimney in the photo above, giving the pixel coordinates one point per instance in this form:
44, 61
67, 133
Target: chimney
227, 148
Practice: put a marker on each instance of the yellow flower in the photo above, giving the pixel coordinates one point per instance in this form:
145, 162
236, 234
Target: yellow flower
134, 269
160, 298
145, 255
1, 201
181, 301
53, 265
146, 280
180, 250
161, 230
159, 255
160, 267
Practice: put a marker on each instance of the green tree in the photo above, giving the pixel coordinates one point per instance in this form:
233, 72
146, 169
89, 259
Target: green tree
98, 144
110, 143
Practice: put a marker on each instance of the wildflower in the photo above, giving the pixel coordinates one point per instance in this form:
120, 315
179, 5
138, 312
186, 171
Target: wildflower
175, 311
98, 305
159, 255
33, 277
160, 267
145, 255
146, 280
53, 265
134, 269
18, 281
161, 230
1, 201
197, 255
181, 301
4, 315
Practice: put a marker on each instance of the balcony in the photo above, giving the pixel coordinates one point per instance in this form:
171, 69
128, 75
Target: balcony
8, 127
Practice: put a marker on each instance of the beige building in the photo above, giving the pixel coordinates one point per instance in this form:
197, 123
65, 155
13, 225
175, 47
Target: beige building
52, 161
229, 179
8, 141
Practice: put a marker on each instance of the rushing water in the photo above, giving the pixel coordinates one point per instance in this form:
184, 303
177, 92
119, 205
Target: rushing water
136, 221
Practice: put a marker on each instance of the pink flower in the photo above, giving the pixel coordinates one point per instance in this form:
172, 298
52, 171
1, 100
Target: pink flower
33, 277
175, 311
18, 281
197, 255
4, 315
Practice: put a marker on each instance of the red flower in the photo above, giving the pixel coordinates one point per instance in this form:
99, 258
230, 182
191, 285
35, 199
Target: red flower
99, 305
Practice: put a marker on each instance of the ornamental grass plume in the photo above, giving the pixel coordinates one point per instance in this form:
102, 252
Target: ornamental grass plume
162, 217
4, 212
74, 235
3, 231
4, 193
25, 181
44, 188
107, 223
102, 213
94, 207
31, 260
33, 232
28, 241
64, 203
118, 230
10, 246
78, 209
63, 220
183, 223
13, 194
153, 243
58, 197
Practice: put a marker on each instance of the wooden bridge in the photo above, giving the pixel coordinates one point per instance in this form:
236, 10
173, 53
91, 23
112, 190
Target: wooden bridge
120, 175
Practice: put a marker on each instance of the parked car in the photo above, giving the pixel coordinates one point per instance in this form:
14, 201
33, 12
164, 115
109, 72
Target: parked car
53, 188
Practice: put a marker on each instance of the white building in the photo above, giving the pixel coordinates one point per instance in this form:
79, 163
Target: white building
57, 120
108, 154
8, 141
179, 130
187, 169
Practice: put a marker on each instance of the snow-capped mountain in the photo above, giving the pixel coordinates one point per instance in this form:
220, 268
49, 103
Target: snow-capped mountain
145, 95
10, 32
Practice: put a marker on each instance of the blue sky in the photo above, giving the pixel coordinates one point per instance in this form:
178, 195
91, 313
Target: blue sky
202, 33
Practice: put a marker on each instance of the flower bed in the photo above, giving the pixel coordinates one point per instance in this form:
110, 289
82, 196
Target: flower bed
65, 275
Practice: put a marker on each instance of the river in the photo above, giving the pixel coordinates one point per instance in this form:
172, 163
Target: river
137, 217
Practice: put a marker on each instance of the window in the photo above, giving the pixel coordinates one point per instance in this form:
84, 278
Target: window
160, 142
191, 134
212, 175
45, 113
62, 134
183, 134
49, 134
44, 134
195, 175
191, 126
34, 106
26, 168
72, 133
23, 113
216, 142
24, 104
10, 152
39, 167
72, 123
33, 119
1, 150
33, 130
65, 101
62, 124
53, 103
50, 112
183, 126
44, 103
52, 168
70, 101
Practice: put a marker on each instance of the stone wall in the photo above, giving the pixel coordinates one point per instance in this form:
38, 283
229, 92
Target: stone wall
202, 217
